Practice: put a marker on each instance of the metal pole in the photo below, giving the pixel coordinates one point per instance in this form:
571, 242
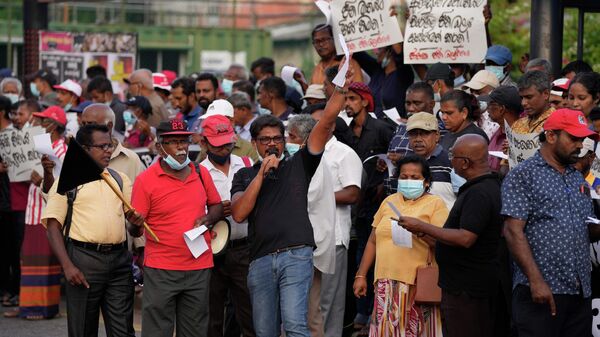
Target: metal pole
546, 38
580, 30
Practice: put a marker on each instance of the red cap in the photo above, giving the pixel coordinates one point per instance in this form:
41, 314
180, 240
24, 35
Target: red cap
364, 92
171, 75
572, 121
55, 113
218, 130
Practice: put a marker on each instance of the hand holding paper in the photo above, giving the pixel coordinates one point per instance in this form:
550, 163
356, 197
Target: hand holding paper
195, 241
340, 78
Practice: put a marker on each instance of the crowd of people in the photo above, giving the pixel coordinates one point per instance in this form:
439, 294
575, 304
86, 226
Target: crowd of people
324, 195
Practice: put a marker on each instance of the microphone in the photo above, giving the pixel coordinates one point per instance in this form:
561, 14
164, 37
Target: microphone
271, 173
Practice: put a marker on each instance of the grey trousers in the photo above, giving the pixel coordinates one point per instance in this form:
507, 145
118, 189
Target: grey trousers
175, 298
333, 294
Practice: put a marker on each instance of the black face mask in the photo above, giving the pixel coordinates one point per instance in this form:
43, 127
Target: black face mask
220, 160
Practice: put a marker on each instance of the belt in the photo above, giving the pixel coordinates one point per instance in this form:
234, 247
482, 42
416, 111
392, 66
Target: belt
238, 243
99, 247
286, 249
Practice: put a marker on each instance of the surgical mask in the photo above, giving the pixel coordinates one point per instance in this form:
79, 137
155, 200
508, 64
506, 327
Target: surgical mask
436, 95
14, 98
129, 117
292, 148
263, 111
227, 86
459, 80
411, 189
220, 160
173, 163
68, 107
496, 70
483, 106
34, 90
385, 61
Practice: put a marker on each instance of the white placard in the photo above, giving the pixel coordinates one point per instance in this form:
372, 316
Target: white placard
522, 146
445, 31
195, 240
393, 115
18, 153
340, 78
365, 24
325, 9
43, 145
498, 154
400, 236
388, 162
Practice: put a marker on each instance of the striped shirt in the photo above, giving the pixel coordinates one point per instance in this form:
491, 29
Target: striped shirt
35, 202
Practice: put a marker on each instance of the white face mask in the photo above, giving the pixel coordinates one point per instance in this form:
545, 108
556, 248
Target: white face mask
14, 98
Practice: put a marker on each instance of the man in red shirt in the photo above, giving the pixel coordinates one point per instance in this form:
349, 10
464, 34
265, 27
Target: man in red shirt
173, 198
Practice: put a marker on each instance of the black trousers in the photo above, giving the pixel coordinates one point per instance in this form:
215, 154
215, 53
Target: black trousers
111, 290
466, 316
12, 230
229, 276
573, 315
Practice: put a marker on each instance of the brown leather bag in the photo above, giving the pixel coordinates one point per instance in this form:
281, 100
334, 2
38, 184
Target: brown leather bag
428, 291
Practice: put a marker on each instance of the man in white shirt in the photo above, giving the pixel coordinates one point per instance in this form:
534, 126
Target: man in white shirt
231, 268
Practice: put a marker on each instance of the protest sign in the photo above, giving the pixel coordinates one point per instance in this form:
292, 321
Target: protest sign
18, 153
446, 31
522, 146
365, 24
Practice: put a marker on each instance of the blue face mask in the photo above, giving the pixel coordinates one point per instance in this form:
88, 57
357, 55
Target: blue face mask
129, 117
385, 61
227, 86
34, 90
411, 189
68, 107
292, 148
497, 70
263, 111
459, 80
174, 164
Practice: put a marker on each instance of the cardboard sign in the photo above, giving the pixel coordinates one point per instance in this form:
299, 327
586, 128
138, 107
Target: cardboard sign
18, 153
445, 31
365, 24
521, 146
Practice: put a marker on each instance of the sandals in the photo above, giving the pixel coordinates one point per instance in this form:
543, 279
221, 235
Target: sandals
11, 301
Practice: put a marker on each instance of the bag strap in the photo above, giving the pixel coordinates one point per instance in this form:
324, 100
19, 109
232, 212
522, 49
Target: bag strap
199, 170
430, 256
117, 177
246, 161
71, 195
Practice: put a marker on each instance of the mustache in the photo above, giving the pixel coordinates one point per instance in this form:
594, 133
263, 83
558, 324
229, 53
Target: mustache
180, 153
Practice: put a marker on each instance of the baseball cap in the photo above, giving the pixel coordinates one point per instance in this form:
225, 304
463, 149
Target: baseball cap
588, 146
498, 54
218, 130
54, 113
571, 121
160, 81
219, 107
560, 86
508, 96
140, 102
46, 75
364, 92
81, 106
422, 120
439, 71
70, 86
171, 75
173, 127
315, 91
482, 79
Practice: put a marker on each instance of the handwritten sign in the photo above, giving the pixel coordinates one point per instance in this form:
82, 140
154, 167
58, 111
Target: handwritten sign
365, 24
18, 153
447, 31
522, 146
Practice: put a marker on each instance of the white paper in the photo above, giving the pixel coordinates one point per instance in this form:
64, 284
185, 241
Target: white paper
17, 152
340, 78
593, 220
325, 8
388, 162
373, 115
593, 194
343, 115
195, 240
400, 236
287, 74
521, 146
498, 154
393, 115
43, 144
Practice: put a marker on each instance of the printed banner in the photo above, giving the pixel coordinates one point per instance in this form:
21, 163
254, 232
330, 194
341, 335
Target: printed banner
365, 24
522, 146
18, 153
447, 31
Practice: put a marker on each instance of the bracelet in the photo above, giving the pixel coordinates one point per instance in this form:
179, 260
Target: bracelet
359, 276
341, 90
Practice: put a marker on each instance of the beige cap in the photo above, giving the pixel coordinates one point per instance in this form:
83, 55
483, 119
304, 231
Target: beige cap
315, 91
481, 79
422, 120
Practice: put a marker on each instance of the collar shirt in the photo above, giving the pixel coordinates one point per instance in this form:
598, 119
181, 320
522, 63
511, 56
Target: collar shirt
526, 125
555, 209
244, 132
193, 118
126, 161
223, 185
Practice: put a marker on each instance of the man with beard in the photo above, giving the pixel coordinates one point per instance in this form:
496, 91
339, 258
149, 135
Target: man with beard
184, 99
546, 203
206, 90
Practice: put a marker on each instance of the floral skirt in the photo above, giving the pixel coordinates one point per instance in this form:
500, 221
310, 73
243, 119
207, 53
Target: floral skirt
395, 313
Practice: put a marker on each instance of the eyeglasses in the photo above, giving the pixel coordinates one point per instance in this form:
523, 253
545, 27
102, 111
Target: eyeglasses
451, 156
103, 147
268, 140
177, 142
322, 41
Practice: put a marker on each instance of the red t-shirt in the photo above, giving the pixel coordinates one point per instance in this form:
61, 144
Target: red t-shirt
170, 207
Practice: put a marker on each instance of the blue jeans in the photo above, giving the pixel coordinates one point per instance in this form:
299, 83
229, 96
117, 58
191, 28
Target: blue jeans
279, 285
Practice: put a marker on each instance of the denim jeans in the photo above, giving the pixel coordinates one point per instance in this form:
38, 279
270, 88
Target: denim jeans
279, 285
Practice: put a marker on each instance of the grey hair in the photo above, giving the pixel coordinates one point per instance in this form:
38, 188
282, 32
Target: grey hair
303, 124
240, 100
109, 114
12, 80
539, 62
536, 78
241, 72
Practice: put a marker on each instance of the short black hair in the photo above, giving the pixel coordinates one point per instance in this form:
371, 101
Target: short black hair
5, 106
422, 87
414, 159
84, 135
95, 71
207, 77
464, 100
274, 85
576, 67
264, 121
266, 65
31, 104
187, 85
101, 84
590, 81
594, 114
247, 87
321, 27
313, 107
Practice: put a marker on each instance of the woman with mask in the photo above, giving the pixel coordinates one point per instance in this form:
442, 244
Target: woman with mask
138, 133
12, 89
459, 111
395, 312
584, 92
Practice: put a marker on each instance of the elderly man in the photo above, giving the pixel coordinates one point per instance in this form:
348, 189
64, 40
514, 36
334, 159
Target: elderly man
534, 89
176, 196
467, 246
546, 203
235, 72
42, 86
11, 88
242, 114
141, 84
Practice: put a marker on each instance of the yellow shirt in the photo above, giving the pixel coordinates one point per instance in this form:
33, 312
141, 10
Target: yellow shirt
525, 125
126, 161
97, 211
400, 263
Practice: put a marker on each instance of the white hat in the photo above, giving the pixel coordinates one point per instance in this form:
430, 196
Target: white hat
481, 79
588, 146
70, 86
315, 91
561, 85
219, 107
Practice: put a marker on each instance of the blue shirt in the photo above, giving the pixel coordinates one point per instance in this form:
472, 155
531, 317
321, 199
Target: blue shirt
192, 118
399, 143
555, 208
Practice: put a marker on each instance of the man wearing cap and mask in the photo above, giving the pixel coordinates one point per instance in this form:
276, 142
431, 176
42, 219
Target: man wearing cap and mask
480, 86
175, 196
558, 93
504, 106
231, 269
68, 93
498, 60
42, 87
547, 203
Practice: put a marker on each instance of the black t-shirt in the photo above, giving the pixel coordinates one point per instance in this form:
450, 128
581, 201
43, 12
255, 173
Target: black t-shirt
450, 138
280, 217
473, 270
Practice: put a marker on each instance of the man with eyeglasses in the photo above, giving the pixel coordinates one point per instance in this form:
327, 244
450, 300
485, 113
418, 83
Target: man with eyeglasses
322, 40
272, 196
175, 197
93, 253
